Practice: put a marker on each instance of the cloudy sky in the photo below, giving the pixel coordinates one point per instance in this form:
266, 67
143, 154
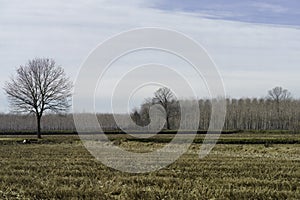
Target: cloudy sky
254, 43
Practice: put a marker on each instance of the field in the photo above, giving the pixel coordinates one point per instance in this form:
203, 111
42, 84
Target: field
241, 166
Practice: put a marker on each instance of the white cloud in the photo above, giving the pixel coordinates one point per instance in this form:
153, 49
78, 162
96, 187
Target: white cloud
68, 31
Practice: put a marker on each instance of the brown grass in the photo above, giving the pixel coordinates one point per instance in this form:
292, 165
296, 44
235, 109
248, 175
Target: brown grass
61, 168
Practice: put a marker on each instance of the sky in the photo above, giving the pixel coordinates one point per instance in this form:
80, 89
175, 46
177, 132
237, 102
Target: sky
254, 44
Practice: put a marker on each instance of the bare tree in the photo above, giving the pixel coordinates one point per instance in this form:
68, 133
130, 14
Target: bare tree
279, 96
165, 98
39, 86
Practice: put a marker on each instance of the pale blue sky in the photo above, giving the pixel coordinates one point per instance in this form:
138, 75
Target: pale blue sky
254, 11
255, 44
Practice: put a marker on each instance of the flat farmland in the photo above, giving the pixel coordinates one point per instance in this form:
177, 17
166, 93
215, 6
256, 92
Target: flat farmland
241, 166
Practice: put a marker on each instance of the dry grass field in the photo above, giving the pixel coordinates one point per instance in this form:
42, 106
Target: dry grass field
59, 167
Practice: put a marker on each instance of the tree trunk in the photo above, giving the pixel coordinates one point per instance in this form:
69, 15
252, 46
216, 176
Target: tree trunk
38, 120
168, 123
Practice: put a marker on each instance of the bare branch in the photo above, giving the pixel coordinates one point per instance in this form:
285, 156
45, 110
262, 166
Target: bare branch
39, 86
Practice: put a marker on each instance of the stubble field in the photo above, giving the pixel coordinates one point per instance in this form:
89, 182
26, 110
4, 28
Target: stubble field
59, 167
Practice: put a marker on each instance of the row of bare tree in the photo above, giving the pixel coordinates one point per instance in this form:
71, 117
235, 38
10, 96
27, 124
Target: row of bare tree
242, 114
49, 122
277, 111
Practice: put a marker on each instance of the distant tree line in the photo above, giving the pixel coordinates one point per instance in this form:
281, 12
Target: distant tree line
50, 122
277, 111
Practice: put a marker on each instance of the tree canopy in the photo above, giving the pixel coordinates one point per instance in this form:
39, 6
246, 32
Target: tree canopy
39, 86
